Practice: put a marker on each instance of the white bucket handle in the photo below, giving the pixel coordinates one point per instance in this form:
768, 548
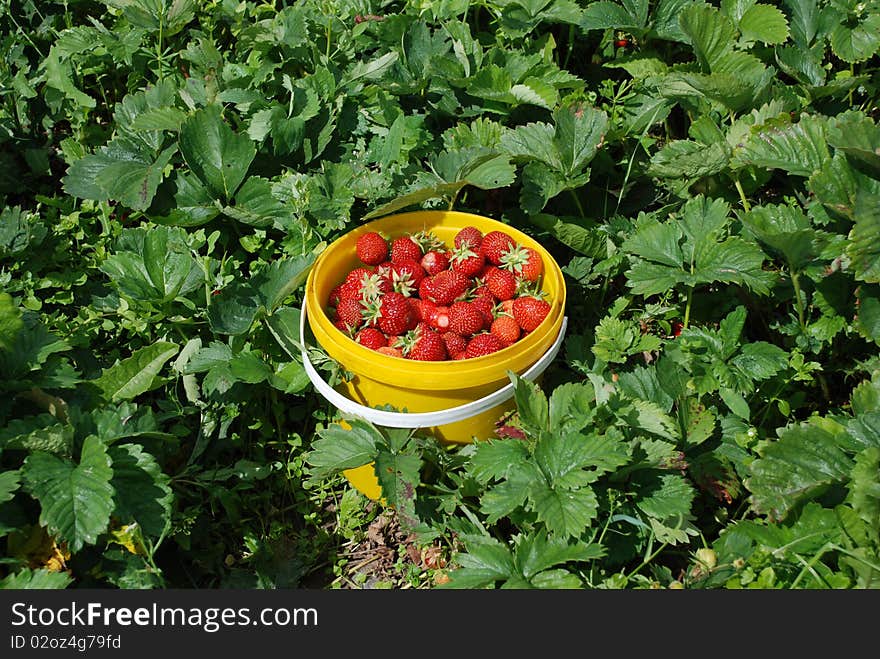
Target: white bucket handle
421, 419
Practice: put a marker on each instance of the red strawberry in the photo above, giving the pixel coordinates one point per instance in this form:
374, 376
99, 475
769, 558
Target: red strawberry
424, 344
524, 262
405, 248
350, 312
465, 318
352, 286
501, 283
342, 326
371, 338
460, 355
408, 268
455, 343
495, 245
390, 351
506, 329
444, 287
485, 305
334, 296
435, 261
423, 308
372, 248
438, 318
467, 260
530, 311
506, 307
392, 313
483, 344
472, 236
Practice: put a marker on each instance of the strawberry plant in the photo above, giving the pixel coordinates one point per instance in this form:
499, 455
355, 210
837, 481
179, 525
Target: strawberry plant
706, 176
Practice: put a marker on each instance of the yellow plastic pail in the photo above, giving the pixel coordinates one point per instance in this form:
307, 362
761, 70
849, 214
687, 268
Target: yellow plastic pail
455, 401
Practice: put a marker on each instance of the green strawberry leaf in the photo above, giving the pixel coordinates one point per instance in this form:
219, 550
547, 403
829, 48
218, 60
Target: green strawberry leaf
338, 448
76, 499
143, 493
218, 156
40, 579
136, 374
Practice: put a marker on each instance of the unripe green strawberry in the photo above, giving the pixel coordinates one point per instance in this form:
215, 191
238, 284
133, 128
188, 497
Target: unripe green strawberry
371, 248
530, 311
483, 344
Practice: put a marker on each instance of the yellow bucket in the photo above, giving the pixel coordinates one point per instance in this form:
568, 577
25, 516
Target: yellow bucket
456, 401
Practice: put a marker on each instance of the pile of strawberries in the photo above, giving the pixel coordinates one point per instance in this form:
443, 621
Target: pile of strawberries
414, 297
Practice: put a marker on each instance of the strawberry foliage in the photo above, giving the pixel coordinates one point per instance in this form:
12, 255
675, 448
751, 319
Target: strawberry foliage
705, 174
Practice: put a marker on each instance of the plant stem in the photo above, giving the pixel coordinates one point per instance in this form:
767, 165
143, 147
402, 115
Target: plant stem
577, 202
159, 46
687, 308
796, 283
742, 196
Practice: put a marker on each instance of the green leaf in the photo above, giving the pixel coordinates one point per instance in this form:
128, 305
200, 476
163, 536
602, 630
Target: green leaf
41, 579
398, 474
284, 326
135, 374
797, 148
122, 171
19, 231
735, 402
856, 43
486, 562
865, 488
495, 458
764, 23
868, 320
603, 15
710, 33
688, 159
281, 278
217, 155
537, 553
76, 499
565, 512
9, 482
531, 404
153, 265
786, 230
143, 493
663, 496
864, 239
339, 448
857, 136
579, 132
10, 321
799, 466
760, 360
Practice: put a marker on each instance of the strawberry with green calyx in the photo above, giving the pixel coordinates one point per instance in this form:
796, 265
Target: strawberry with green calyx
466, 260
470, 236
529, 311
405, 248
428, 240
350, 311
391, 313
374, 286
372, 248
422, 344
524, 262
444, 287
495, 245
334, 296
371, 338
483, 344
391, 351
